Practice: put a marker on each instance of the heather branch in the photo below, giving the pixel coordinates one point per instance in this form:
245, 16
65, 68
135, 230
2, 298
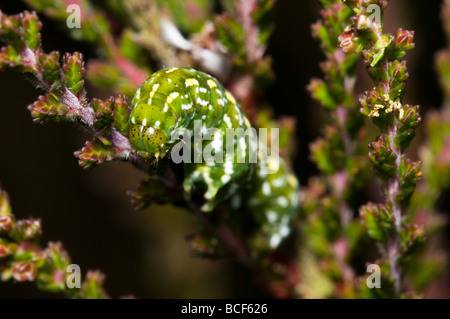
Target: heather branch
97, 30
244, 33
23, 259
65, 100
336, 154
383, 105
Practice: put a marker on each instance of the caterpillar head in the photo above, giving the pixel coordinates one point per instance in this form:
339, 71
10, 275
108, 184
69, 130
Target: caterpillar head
149, 142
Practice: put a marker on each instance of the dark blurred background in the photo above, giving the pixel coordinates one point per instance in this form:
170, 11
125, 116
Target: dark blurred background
144, 253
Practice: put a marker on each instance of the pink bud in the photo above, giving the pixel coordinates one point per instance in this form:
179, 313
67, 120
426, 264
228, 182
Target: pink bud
24, 270
6, 223
4, 251
95, 276
404, 39
30, 228
347, 42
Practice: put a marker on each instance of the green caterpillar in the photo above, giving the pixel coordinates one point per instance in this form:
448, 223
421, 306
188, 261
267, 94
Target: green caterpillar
178, 98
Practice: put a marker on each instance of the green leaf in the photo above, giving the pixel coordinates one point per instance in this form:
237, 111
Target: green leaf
103, 112
412, 237
49, 63
320, 91
377, 220
152, 191
231, 34
48, 107
121, 114
94, 153
205, 245
5, 208
73, 68
31, 27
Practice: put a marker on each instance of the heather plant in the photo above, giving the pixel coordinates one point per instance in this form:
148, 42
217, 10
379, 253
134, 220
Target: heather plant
311, 242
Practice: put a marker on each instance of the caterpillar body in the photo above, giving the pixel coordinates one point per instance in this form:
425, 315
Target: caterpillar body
180, 98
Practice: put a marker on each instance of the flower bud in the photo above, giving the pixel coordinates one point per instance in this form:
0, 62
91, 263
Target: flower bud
4, 250
6, 224
24, 270
404, 39
30, 228
347, 42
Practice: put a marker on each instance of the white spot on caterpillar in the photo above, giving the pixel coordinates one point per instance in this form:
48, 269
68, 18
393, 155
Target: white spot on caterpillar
144, 122
284, 230
239, 115
204, 117
211, 84
171, 70
133, 120
228, 168
186, 106
274, 165
154, 88
266, 188
225, 178
294, 199
172, 96
282, 201
166, 107
217, 145
271, 216
202, 102
157, 123
150, 131
292, 181
275, 240
242, 144
230, 97
191, 82
247, 122
278, 182
227, 120
203, 90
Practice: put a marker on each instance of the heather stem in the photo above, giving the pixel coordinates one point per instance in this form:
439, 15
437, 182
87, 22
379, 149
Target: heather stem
382, 54
336, 152
393, 245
